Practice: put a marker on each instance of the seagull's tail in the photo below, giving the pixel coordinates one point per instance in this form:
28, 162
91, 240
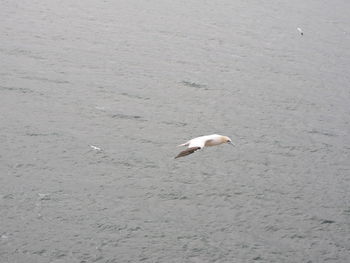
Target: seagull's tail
184, 144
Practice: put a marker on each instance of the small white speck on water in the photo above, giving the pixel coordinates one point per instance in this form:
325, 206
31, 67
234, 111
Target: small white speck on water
44, 196
100, 108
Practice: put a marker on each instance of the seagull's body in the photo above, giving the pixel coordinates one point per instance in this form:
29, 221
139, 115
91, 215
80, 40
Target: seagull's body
95, 147
300, 31
201, 142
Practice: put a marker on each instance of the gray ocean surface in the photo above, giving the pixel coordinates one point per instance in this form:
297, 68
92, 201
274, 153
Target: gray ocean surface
137, 78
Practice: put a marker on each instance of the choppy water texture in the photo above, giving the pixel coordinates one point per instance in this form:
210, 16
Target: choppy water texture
137, 78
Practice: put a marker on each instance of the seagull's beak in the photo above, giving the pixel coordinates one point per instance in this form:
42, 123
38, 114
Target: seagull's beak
230, 143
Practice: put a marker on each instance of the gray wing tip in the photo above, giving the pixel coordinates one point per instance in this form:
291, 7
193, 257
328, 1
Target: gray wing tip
187, 152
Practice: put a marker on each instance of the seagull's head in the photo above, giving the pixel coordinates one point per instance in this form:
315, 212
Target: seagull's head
228, 140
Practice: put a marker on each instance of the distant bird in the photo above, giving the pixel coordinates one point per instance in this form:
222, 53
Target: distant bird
202, 141
300, 31
95, 148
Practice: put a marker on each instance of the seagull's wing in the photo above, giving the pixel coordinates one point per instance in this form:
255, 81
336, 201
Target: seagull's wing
187, 151
193, 145
197, 142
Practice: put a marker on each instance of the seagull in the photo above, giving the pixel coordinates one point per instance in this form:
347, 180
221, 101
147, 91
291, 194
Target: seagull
300, 31
202, 141
95, 148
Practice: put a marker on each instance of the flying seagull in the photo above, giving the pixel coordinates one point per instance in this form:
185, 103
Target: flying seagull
95, 148
300, 31
202, 141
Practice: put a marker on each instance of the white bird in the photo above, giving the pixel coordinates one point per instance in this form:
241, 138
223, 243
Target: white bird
202, 141
95, 148
300, 31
